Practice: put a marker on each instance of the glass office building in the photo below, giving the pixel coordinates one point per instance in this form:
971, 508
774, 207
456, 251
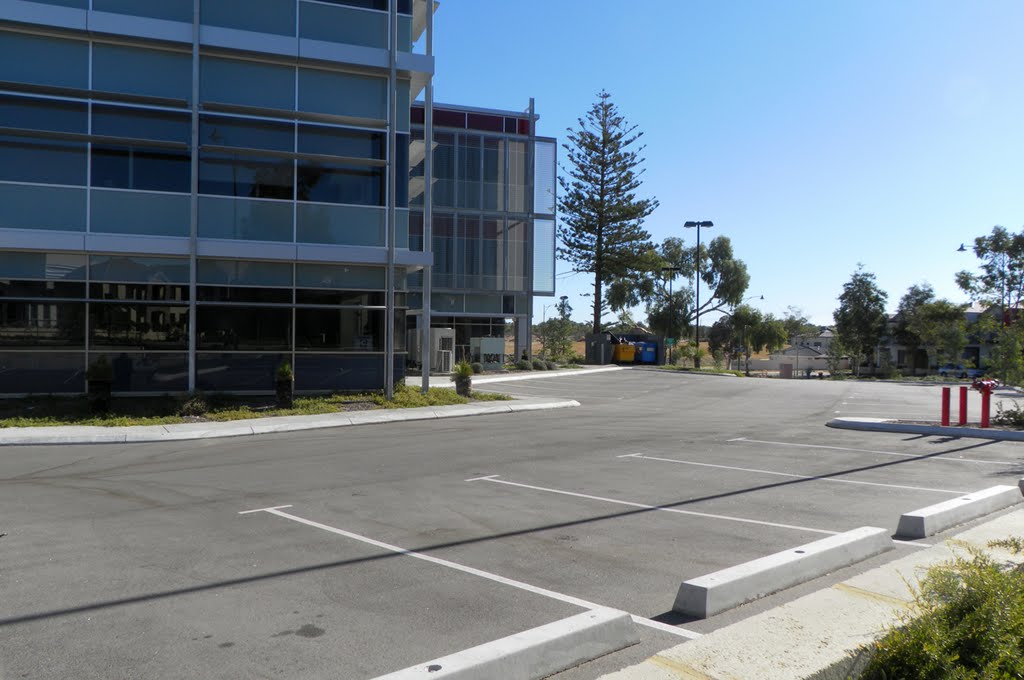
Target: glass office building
200, 193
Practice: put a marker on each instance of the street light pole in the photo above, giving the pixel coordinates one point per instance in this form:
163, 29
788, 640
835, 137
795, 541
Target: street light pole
698, 225
671, 304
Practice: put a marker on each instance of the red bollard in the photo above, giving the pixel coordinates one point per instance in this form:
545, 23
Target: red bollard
963, 406
986, 400
945, 406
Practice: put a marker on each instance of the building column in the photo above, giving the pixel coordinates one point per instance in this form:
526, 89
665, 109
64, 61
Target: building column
523, 336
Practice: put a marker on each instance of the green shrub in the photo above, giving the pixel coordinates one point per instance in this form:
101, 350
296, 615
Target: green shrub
100, 370
968, 624
539, 365
463, 369
524, 365
551, 365
477, 367
194, 404
1009, 417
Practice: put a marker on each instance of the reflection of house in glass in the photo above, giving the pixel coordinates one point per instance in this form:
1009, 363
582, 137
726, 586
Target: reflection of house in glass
197, 233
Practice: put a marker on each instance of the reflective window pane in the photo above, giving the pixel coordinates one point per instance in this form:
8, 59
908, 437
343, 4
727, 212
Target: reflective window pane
246, 134
138, 123
138, 292
44, 61
32, 325
25, 206
50, 266
339, 276
350, 298
339, 373
341, 224
136, 212
334, 141
145, 372
26, 159
141, 168
341, 183
343, 25
244, 328
237, 372
344, 94
134, 70
245, 273
262, 16
240, 294
130, 268
42, 372
31, 113
340, 329
41, 289
544, 178
229, 81
140, 326
237, 218
169, 10
246, 176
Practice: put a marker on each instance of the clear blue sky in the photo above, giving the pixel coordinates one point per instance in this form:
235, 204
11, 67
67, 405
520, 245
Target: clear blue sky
815, 134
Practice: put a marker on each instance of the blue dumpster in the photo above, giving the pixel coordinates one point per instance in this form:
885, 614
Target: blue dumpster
649, 353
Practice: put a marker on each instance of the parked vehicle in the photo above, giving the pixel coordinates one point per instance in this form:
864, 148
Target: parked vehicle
958, 371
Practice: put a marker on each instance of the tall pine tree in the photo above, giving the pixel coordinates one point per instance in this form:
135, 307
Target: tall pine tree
601, 230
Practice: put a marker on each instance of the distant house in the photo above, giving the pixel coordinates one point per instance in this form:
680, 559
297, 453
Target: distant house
902, 357
819, 342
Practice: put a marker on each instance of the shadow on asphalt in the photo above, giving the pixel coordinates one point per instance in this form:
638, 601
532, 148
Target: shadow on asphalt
257, 578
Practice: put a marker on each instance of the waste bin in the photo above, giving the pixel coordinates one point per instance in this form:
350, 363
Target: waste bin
648, 353
623, 353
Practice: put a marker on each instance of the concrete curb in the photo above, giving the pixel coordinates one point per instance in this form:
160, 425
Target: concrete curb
39, 436
882, 425
716, 592
819, 636
446, 381
941, 516
535, 653
700, 374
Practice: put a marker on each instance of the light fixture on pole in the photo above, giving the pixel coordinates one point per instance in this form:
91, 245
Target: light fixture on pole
690, 225
671, 304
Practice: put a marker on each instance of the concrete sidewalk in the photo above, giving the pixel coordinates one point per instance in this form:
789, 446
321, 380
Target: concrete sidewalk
820, 635
22, 436
882, 425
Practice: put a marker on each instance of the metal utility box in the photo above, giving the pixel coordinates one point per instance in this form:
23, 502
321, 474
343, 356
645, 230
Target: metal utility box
442, 349
488, 351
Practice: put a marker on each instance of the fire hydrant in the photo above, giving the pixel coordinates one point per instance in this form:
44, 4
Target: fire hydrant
986, 386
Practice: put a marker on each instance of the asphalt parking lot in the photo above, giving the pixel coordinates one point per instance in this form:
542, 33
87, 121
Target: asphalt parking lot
409, 541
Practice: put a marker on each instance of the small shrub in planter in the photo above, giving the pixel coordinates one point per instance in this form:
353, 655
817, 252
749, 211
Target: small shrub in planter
477, 367
463, 377
284, 385
100, 377
539, 365
524, 365
194, 405
552, 366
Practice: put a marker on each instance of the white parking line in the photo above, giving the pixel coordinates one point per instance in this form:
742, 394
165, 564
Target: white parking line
931, 456
657, 625
818, 478
693, 513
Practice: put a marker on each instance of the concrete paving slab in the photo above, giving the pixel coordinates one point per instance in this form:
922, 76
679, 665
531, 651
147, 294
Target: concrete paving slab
941, 516
533, 654
714, 593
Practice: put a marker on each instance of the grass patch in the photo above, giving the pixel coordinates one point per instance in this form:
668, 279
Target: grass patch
129, 411
968, 624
